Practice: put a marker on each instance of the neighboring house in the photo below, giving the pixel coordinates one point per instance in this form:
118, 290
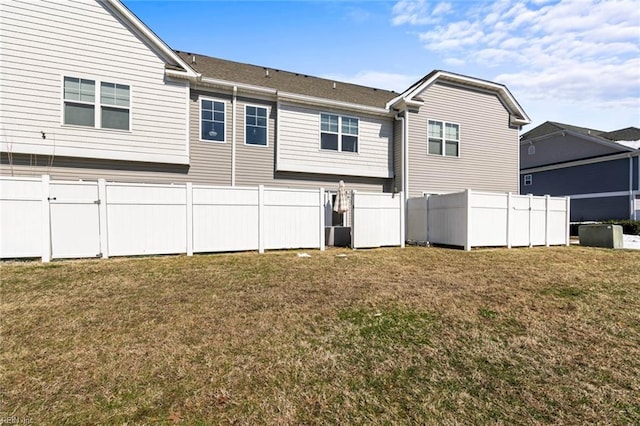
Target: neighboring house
598, 170
88, 91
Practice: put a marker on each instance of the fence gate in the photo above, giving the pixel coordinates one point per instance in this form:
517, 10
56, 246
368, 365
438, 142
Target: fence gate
74, 219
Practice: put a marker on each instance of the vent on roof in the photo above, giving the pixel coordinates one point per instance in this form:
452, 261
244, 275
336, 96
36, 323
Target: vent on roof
266, 72
193, 59
334, 84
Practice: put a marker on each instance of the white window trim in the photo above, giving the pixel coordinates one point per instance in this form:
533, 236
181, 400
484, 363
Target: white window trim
266, 128
528, 180
207, 98
444, 139
339, 150
97, 119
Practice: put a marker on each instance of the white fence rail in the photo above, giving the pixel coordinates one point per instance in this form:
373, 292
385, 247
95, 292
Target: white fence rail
64, 219
484, 219
378, 220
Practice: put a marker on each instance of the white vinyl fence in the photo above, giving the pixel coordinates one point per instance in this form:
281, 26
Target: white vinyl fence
64, 219
486, 219
378, 220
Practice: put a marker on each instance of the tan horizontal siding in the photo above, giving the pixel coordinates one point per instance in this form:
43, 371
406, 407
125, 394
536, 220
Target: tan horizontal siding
488, 145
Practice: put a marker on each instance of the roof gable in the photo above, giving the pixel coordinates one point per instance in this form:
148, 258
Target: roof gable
410, 96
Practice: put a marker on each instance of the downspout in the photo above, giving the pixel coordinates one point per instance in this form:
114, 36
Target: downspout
405, 155
233, 136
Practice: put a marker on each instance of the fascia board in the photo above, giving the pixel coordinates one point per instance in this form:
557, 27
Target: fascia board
137, 25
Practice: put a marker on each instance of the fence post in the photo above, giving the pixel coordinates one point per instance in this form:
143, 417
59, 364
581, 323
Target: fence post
353, 219
189, 201
402, 218
46, 220
530, 219
509, 203
260, 218
104, 222
546, 220
469, 211
426, 217
321, 202
568, 221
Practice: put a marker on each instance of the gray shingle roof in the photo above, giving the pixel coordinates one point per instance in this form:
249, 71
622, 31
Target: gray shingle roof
286, 81
628, 134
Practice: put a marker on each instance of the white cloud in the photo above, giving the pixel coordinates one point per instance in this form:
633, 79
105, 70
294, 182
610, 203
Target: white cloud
379, 80
568, 51
419, 12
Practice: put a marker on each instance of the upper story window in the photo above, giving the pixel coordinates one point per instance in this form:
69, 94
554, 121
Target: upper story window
84, 107
338, 133
255, 125
443, 138
212, 120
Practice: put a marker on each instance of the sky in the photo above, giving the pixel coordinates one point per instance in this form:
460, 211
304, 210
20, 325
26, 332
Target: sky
571, 61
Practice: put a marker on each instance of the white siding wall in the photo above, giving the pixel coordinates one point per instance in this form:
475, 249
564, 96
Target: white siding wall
42, 42
299, 145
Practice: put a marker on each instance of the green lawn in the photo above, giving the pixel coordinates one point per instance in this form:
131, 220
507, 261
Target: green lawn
387, 336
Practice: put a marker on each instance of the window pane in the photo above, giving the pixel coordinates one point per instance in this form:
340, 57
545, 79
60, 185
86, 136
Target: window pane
87, 90
329, 123
435, 146
350, 126
212, 121
108, 93
115, 118
349, 143
122, 95
451, 148
213, 131
256, 136
114, 94
79, 114
435, 129
251, 110
72, 88
329, 141
451, 131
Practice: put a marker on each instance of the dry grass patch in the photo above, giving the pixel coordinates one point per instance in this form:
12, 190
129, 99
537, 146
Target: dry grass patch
419, 335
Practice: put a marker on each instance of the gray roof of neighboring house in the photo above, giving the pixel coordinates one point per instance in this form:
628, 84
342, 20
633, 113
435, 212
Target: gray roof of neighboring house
549, 127
628, 134
285, 81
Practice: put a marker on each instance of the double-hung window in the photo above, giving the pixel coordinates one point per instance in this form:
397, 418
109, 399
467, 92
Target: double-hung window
212, 120
256, 125
338, 133
443, 138
83, 106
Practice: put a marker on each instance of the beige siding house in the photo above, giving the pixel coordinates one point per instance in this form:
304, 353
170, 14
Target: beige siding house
138, 111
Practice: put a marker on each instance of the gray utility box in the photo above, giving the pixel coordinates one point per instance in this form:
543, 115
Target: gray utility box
609, 236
